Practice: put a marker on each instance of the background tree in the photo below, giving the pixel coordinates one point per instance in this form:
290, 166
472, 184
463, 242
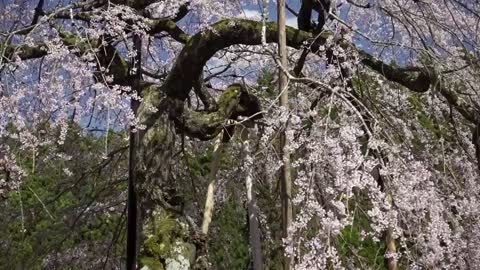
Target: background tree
382, 131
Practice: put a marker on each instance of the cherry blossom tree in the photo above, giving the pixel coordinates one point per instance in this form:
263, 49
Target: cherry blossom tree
382, 121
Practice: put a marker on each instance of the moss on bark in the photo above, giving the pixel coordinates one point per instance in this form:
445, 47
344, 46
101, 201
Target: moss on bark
166, 243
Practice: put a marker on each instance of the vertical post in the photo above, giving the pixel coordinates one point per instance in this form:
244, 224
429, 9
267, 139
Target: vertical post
285, 180
132, 207
390, 243
210, 199
252, 211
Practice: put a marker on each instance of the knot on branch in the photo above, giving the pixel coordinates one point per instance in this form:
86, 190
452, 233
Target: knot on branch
235, 101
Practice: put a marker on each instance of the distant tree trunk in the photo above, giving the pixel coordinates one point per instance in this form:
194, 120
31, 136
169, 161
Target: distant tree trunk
283, 88
210, 200
253, 225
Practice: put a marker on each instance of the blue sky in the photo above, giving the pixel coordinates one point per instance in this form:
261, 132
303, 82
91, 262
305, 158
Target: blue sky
254, 10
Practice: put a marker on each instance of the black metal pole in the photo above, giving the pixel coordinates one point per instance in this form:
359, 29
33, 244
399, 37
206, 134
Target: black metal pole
132, 207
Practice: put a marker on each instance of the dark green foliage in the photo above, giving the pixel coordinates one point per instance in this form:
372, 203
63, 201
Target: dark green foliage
363, 252
265, 86
229, 247
199, 165
55, 212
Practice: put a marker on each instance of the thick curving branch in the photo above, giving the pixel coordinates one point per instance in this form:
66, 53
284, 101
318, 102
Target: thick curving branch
202, 46
189, 67
417, 79
108, 57
24, 52
169, 26
420, 80
468, 111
